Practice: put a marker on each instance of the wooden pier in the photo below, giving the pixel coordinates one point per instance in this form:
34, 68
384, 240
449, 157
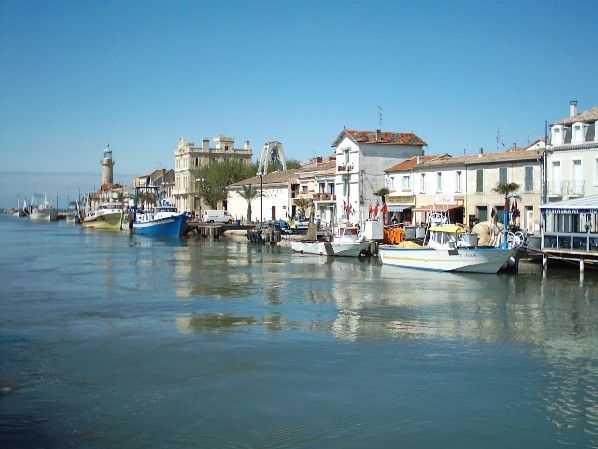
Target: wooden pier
213, 230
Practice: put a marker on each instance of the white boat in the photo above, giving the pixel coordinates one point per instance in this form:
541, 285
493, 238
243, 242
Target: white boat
43, 212
447, 250
346, 241
108, 215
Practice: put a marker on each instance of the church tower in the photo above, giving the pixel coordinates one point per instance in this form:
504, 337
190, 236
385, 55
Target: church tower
107, 164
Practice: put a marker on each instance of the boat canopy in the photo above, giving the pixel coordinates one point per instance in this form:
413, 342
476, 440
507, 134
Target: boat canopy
447, 228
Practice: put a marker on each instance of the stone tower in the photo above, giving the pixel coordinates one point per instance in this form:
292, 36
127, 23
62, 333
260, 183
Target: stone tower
107, 164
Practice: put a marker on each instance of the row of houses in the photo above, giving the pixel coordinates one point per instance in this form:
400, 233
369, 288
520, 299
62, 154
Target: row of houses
343, 185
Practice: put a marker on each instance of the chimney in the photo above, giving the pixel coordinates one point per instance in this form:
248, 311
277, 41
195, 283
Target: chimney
573, 108
481, 152
417, 161
247, 146
205, 146
378, 135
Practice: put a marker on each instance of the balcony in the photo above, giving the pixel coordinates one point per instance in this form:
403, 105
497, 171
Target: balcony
344, 168
570, 189
324, 197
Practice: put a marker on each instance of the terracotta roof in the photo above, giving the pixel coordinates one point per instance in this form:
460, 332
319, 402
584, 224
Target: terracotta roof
386, 137
485, 158
412, 162
277, 177
589, 116
321, 167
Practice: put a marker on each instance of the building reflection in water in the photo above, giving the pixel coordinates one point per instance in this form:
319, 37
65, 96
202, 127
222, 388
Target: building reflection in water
553, 317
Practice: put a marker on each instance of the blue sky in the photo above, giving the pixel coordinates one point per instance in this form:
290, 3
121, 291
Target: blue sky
76, 74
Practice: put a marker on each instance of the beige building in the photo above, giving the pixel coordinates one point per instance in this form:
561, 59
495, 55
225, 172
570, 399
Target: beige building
463, 186
317, 184
188, 157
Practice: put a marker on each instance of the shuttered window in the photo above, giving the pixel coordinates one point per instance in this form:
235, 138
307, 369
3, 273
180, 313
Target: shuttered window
502, 174
529, 179
479, 180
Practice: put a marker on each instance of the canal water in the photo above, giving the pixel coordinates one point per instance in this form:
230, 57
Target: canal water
116, 341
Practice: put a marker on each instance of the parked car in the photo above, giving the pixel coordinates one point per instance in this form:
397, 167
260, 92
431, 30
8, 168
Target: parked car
216, 216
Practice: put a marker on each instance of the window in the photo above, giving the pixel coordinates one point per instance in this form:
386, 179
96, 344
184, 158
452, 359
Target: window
346, 153
390, 182
577, 170
303, 189
322, 188
502, 175
482, 213
479, 181
331, 189
438, 182
529, 179
458, 182
406, 183
422, 184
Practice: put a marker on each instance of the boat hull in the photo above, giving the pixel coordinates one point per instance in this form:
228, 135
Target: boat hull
109, 222
173, 225
44, 215
330, 248
470, 260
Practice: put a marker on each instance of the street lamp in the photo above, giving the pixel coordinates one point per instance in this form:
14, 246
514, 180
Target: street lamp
199, 181
261, 175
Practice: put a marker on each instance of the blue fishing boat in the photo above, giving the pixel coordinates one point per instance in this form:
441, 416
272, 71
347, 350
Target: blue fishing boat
148, 219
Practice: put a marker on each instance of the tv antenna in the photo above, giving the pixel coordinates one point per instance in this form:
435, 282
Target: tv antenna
379, 117
499, 141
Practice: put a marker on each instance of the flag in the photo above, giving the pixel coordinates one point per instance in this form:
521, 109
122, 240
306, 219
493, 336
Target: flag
384, 209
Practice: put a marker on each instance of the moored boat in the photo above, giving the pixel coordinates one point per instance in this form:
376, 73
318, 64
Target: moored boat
346, 241
43, 211
155, 220
107, 216
447, 250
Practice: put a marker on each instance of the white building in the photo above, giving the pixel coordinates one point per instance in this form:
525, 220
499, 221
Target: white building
188, 158
361, 158
572, 156
278, 190
463, 186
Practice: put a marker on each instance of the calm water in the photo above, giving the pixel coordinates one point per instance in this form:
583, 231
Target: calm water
112, 341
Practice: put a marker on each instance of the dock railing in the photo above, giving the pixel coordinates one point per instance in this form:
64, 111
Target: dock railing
571, 241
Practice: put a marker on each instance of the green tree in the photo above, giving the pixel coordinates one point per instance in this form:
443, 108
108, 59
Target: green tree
213, 179
383, 192
506, 188
303, 204
248, 193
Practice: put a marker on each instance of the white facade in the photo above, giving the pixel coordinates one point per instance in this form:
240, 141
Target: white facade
274, 204
572, 156
361, 160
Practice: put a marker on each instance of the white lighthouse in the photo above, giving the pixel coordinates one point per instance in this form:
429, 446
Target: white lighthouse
107, 164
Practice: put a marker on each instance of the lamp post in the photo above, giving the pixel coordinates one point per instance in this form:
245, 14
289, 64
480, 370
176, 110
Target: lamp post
261, 175
199, 181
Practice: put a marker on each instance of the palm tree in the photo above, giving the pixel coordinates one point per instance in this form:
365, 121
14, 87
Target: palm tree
302, 204
383, 192
506, 188
248, 193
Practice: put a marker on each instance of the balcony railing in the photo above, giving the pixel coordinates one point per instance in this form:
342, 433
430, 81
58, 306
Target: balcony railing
344, 168
566, 188
324, 197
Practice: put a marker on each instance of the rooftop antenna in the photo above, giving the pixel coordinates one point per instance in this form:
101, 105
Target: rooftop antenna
379, 117
499, 141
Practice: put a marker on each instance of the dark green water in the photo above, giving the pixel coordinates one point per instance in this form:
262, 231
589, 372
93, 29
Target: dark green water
112, 341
